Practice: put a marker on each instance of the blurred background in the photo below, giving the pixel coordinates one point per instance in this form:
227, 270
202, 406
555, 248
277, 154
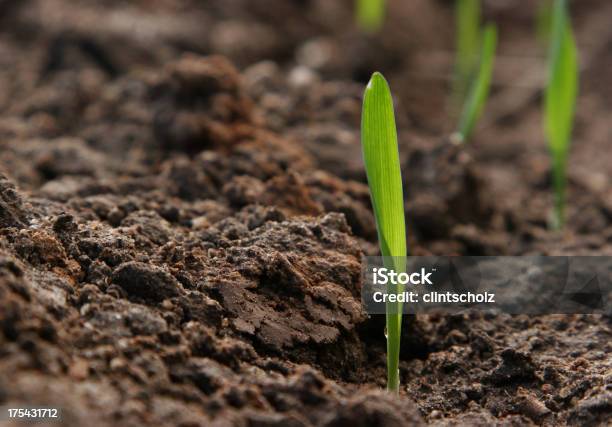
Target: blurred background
59, 58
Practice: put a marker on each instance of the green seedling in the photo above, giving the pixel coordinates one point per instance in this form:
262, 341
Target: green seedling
467, 17
544, 21
370, 14
479, 90
381, 158
560, 101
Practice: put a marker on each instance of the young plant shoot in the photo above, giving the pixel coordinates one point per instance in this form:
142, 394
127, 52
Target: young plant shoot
544, 21
560, 101
467, 24
381, 158
474, 65
370, 14
479, 90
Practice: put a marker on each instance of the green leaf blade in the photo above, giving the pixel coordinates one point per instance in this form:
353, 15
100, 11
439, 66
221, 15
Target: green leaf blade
467, 24
560, 100
381, 158
370, 14
561, 92
479, 92
544, 16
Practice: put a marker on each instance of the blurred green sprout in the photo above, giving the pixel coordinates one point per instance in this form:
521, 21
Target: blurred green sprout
560, 102
474, 65
544, 16
479, 91
370, 14
467, 26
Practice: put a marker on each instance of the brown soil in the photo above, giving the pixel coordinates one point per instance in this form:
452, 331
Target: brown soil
184, 213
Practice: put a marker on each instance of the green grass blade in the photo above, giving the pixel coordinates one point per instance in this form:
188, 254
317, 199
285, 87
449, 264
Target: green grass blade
544, 21
370, 14
479, 91
381, 158
560, 100
467, 16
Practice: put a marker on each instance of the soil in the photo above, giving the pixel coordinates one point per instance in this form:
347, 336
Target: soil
184, 216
